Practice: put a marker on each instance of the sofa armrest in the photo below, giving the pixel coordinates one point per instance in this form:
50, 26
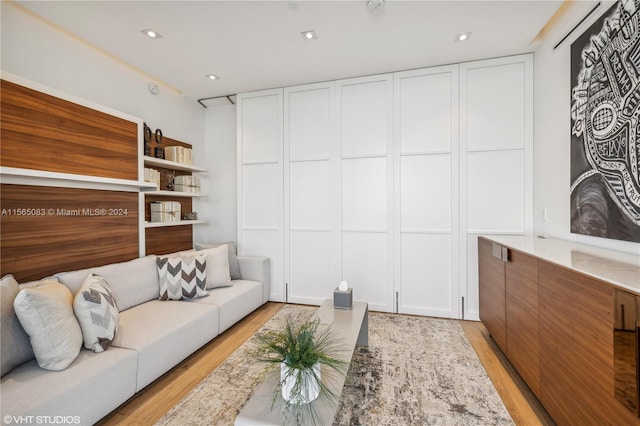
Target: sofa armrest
257, 268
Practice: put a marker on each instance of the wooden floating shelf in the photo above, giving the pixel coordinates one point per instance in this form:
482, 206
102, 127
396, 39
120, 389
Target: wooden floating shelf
18, 176
178, 223
159, 162
175, 193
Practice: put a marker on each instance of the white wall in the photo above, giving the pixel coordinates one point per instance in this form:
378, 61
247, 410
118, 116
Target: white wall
552, 127
38, 51
219, 157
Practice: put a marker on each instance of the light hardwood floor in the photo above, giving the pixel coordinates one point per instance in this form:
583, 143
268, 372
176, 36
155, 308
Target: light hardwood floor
154, 401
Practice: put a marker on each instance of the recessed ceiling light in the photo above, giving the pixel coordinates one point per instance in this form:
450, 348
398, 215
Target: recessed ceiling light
309, 35
151, 33
463, 37
212, 77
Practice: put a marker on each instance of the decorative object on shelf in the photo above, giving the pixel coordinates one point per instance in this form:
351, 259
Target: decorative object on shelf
187, 183
303, 350
165, 211
153, 176
159, 152
343, 296
179, 154
190, 216
167, 179
147, 139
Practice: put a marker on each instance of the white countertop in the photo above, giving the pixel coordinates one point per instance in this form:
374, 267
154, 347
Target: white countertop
619, 268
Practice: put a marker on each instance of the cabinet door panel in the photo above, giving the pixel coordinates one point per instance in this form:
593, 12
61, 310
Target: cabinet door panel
576, 349
491, 272
261, 122
310, 123
426, 193
364, 194
495, 191
365, 259
426, 275
365, 118
523, 337
310, 195
265, 243
310, 267
496, 97
425, 109
259, 200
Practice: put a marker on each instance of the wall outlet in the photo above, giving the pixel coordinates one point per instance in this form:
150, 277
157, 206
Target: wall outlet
545, 216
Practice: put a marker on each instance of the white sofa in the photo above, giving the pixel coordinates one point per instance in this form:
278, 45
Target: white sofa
153, 336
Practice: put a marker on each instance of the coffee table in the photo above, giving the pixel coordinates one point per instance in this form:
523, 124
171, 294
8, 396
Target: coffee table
352, 325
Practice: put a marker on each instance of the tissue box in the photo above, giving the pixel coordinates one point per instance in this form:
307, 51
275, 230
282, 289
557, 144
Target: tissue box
342, 299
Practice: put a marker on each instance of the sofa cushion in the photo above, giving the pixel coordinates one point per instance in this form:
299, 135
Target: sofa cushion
46, 313
235, 302
132, 283
15, 348
218, 272
165, 333
182, 277
97, 312
234, 267
90, 388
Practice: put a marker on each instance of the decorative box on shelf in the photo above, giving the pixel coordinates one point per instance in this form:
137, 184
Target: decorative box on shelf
153, 176
165, 211
187, 183
179, 154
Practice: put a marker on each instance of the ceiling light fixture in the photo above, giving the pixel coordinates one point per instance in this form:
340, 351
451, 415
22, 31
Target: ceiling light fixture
463, 37
212, 77
151, 33
309, 35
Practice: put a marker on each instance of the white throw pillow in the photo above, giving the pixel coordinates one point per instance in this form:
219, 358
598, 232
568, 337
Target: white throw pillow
182, 277
97, 312
218, 271
46, 314
234, 265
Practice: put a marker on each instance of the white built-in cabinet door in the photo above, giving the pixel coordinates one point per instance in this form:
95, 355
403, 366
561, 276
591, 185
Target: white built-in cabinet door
364, 111
386, 181
426, 189
260, 175
496, 158
310, 208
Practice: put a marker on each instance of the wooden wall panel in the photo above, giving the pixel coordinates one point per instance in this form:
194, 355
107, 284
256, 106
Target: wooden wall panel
576, 349
42, 132
47, 230
169, 239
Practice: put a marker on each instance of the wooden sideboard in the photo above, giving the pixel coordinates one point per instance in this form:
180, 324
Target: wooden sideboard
550, 306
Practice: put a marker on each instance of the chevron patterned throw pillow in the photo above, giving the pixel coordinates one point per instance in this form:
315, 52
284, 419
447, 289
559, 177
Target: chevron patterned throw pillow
182, 277
97, 312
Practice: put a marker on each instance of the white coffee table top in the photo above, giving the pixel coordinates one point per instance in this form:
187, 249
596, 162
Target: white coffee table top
352, 325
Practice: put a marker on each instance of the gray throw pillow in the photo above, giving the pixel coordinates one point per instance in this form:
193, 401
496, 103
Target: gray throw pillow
234, 266
15, 348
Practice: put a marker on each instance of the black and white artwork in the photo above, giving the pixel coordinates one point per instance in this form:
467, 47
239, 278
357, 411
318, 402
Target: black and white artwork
605, 133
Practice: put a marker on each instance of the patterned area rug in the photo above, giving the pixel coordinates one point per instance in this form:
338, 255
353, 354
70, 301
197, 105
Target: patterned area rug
416, 371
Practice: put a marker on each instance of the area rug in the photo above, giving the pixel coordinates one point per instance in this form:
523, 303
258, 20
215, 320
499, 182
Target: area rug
415, 371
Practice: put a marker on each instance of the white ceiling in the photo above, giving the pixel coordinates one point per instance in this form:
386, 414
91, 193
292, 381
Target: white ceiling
257, 45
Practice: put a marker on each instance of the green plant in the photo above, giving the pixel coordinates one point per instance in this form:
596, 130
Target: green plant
300, 345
